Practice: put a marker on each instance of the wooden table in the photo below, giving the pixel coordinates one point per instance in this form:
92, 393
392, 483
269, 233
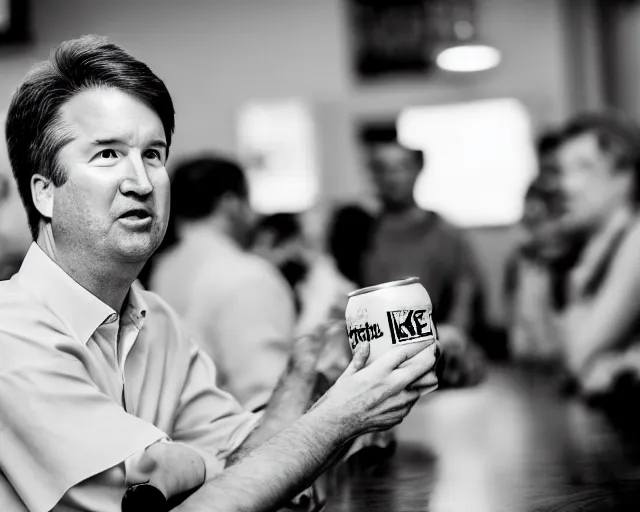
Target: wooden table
513, 444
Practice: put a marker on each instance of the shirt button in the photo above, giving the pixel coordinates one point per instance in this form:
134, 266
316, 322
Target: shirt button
112, 318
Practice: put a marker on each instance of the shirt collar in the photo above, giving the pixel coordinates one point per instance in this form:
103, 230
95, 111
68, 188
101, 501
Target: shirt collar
78, 308
136, 309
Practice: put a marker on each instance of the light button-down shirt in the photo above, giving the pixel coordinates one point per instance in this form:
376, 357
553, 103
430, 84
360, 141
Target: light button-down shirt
68, 367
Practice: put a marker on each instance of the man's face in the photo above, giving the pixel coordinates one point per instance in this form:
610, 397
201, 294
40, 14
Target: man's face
115, 202
394, 171
590, 185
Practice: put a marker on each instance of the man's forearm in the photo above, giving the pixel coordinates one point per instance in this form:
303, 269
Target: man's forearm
273, 473
290, 400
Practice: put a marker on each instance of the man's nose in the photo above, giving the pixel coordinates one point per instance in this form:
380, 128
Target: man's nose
137, 180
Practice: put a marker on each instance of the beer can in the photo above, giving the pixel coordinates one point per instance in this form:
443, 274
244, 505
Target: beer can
389, 315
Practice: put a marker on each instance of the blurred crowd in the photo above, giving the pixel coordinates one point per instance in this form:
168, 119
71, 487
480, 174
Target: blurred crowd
571, 287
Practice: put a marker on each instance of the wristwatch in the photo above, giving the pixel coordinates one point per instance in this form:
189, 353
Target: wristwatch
144, 498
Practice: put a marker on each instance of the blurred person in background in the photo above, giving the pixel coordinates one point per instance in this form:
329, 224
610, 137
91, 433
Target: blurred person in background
599, 166
409, 241
238, 304
532, 322
279, 239
349, 238
350, 231
320, 289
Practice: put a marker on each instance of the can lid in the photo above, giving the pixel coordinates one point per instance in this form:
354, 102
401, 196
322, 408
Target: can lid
402, 282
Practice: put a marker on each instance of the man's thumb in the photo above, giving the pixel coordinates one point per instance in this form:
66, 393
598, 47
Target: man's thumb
360, 357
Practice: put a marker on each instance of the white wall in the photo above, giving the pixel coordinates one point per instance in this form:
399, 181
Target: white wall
216, 54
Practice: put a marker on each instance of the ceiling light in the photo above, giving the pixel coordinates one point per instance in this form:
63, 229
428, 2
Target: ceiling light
466, 58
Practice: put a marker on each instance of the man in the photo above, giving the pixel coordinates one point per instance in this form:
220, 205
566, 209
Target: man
100, 385
237, 304
599, 162
409, 241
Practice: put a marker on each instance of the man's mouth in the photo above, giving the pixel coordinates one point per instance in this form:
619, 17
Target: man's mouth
138, 214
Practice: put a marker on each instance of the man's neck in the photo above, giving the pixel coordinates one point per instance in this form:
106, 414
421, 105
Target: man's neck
109, 281
404, 211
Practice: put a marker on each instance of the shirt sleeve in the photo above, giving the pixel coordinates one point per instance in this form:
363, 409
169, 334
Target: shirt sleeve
250, 336
58, 429
207, 418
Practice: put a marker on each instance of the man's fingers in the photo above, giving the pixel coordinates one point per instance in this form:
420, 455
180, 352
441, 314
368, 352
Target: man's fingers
428, 380
359, 360
397, 356
425, 390
416, 367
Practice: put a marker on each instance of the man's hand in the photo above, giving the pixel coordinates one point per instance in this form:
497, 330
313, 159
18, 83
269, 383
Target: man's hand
377, 397
173, 468
364, 399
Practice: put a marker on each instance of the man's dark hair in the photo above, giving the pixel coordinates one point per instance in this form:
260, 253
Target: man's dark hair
198, 185
34, 131
616, 135
372, 134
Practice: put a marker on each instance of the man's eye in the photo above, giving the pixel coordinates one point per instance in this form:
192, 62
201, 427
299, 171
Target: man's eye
108, 154
152, 153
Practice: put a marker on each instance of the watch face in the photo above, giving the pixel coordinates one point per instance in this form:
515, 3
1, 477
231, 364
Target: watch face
143, 498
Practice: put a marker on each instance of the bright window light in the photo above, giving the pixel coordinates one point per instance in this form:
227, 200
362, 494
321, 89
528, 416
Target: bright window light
479, 159
468, 58
278, 148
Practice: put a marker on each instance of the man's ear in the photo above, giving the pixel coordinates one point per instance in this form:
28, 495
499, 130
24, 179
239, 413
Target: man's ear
42, 194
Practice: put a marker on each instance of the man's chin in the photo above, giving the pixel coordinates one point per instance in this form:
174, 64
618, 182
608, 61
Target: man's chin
136, 251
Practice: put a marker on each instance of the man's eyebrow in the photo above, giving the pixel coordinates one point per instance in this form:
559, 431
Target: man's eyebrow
158, 142
107, 142
111, 141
